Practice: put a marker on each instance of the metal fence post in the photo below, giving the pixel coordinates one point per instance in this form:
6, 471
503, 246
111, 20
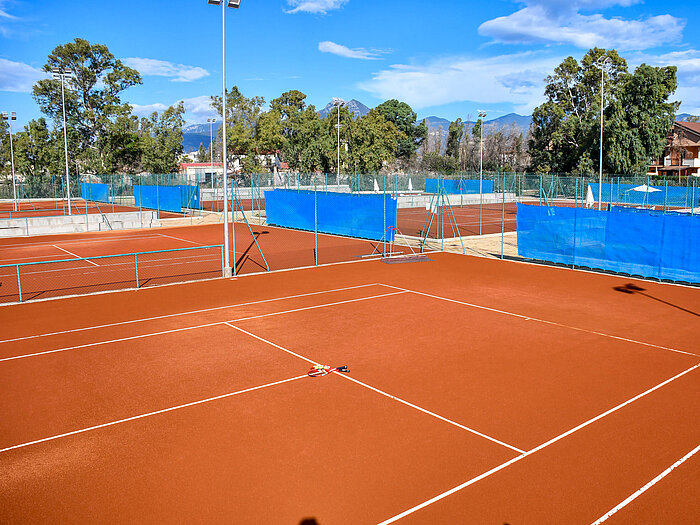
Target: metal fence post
315, 224
223, 269
136, 265
19, 284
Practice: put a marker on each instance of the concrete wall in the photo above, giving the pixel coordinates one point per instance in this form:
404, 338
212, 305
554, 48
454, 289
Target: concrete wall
77, 223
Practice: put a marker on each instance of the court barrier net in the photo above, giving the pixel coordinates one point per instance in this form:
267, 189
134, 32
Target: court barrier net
39, 280
467, 212
646, 243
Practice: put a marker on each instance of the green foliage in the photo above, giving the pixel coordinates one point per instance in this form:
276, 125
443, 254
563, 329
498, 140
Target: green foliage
436, 163
202, 155
403, 118
373, 142
637, 115
454, 138
91, 96
161, 136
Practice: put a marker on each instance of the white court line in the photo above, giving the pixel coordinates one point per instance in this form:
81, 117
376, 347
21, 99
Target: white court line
183, 329
141, 416
646, 487
530, 452
190, 312
83, 240
74, 255
183, 240
553, 323
433, 414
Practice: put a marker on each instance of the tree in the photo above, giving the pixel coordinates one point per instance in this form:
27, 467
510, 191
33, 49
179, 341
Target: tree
637, 115
454, 138
202, 155
38, 152
403, 118
373, 142
91, 95
436, 163
242, 116
162, 139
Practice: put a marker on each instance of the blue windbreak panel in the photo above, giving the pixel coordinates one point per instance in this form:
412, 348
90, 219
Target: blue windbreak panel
676, 196
640, 243
364, 216
191, 197
463, 186
94, 192
166, 198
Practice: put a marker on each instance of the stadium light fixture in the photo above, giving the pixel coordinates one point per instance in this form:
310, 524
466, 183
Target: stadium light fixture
9, 118
482, 114
338, 102
227, 266
211, 150
62, 75
604, 63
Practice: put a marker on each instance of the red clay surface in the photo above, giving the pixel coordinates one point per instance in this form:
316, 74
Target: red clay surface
493, 219
530, 395
247, 204
282, 249
31, 209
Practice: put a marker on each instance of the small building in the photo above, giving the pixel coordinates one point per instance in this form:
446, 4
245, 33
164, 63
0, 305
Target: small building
682, 152
201, 172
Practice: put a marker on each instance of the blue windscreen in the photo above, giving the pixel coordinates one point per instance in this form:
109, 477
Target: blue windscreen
649, 244
676, 196
166, 198
464, 186
364, 216
191, 197
94, 192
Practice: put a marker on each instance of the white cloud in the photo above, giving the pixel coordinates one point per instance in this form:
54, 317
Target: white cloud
314, 6
197, 109
559, 21
162, 68
507, 79
18, 77
342, 51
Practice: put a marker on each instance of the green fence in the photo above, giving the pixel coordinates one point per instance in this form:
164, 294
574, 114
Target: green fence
43, 279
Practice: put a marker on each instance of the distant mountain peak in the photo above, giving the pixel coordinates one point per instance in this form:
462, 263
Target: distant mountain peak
356, 107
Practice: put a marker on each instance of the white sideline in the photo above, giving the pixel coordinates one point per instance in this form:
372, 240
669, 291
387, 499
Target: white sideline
532, 451
179, 239
428, 412
74, 255
190, 312
646, 487
205, 325
148, 414
553, 323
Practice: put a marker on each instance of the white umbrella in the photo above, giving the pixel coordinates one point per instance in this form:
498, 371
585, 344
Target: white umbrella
376, 186
410, 184
644, 188
590, 199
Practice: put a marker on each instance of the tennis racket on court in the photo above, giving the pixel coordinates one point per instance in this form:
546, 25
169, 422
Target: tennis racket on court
324, 370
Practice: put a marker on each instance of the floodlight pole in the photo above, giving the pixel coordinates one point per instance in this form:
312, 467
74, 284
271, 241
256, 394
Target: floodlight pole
62, 74
12, 116
337, 103
482, 115
211, 148
235, 4
602, 63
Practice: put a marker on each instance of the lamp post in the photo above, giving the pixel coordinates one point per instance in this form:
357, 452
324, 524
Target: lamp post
235, 4
482, 114
62, 74
603, 63
211, 148
12, 116
338, 102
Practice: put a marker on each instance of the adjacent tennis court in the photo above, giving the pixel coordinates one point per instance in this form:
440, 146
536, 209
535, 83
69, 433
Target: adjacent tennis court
548, 396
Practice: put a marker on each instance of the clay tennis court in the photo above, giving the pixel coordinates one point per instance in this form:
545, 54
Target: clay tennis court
480, 391
493, 217
50, 208
191, 253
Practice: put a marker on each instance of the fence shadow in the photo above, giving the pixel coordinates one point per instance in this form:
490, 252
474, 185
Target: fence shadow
631, 289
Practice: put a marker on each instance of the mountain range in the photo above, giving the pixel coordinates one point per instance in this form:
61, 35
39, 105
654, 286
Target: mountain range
196, 134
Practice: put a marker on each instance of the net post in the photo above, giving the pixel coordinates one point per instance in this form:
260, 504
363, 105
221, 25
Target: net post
136, 266
19, 284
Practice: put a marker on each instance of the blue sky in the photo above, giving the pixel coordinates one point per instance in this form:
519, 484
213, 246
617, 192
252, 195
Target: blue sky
444, 57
